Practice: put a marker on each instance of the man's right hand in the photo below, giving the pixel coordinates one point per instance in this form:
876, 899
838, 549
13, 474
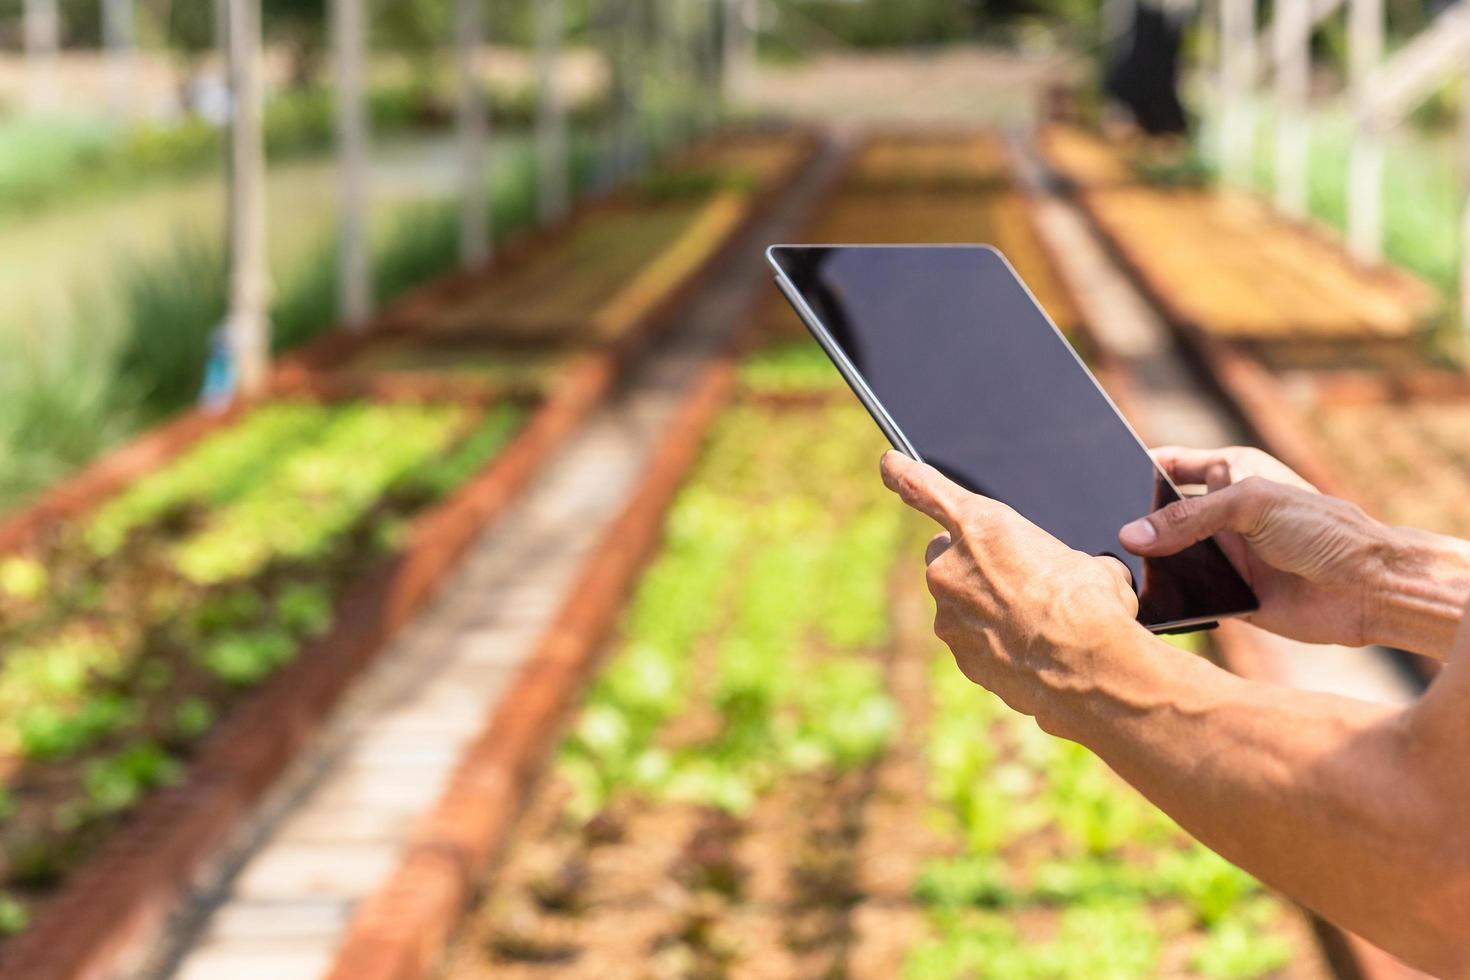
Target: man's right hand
1315, 562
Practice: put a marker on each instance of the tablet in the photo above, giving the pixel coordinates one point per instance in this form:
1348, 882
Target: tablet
961, 368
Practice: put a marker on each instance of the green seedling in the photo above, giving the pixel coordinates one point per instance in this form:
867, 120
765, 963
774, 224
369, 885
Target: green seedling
1238, 948
1211, 886
53, 732
116, 783
973, 881
192, 718
22, 578
13, 915
246, 659
304, 610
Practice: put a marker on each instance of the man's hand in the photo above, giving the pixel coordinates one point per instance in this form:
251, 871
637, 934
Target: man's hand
1024, 614
1324, 571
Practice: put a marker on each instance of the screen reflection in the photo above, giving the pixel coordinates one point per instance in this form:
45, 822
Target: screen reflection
984, 387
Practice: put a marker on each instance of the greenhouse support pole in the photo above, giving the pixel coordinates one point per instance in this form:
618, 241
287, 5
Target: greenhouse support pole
1291, 35
552, 178
474, 138
349, 42
42, 46
1117, 25
119, 37
739, 55
1365, 162
1237, 72
1465, 212
247, 329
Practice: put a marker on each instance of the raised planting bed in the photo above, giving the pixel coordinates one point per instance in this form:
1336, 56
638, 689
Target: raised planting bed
861, 211
1223, 263
133, 629
756, 158
597, 279
779, 772
1082, 158
468, 363
959, 161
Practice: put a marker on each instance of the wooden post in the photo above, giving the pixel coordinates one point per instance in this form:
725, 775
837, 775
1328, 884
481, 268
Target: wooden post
475, 215
1237, 79
1291, 34
42, 45
247, 328
552, 178
1365, 163
349, 42
119, 37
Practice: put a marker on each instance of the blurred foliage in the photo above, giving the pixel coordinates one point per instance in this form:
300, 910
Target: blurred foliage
80, 388
43, 161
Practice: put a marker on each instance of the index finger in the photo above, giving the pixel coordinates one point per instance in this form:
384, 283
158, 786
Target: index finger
925, 489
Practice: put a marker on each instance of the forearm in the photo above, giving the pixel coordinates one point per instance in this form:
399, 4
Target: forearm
1420, 594
1351, 808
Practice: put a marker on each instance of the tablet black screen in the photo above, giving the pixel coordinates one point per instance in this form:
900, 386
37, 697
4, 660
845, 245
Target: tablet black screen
985, 388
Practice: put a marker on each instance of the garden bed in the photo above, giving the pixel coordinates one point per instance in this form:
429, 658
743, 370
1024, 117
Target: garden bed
1270, 280
955, 161
605, 272
780, 772
870, 204
180, 617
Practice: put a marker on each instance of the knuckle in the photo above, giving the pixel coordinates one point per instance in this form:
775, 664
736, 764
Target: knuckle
1178, 514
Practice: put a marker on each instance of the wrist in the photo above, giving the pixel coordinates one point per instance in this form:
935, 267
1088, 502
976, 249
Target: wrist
1118, 672
1418, 596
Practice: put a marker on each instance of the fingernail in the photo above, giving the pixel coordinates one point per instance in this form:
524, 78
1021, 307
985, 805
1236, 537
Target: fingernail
1138, 534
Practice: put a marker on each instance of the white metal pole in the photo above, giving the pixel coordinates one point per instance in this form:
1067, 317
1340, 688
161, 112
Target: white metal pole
1365, 165
42, 45
1291, 36
119, 37
1465, 211
1237, 79
247, 329
551, 119
475, 216
349, 41
739, 54
1117, 21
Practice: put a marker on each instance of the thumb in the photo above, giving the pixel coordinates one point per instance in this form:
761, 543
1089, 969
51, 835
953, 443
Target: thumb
1171, 529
